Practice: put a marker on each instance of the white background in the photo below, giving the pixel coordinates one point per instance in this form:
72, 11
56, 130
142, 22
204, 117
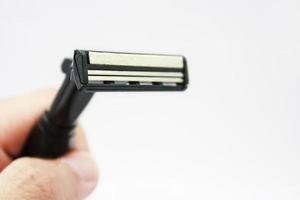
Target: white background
234, 134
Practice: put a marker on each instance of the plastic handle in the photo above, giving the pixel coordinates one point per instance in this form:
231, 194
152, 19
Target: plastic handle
51, 136
47, 140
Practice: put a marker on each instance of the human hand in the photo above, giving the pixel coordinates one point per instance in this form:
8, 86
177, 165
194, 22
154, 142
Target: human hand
72, 176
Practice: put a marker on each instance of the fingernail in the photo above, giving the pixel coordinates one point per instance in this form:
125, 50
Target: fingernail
86, 169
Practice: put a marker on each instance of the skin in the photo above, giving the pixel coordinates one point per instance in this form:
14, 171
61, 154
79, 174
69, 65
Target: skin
73, 176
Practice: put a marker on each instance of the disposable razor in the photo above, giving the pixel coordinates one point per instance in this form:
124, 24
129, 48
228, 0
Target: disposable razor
96, 71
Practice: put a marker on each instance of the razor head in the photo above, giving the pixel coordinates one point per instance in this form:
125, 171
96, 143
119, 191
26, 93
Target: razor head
113, 71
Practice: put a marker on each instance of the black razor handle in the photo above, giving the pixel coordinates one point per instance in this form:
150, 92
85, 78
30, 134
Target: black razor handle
51, 137
47, 140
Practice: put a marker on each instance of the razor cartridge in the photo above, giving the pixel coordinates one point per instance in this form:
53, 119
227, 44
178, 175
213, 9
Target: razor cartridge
114, 71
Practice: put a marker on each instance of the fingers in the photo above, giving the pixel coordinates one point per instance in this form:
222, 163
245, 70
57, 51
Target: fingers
85, 169
19, 115
4, 159
72, 178
80, 142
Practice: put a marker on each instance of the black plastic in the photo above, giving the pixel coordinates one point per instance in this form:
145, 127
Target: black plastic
48, 140
51, 137
70, 101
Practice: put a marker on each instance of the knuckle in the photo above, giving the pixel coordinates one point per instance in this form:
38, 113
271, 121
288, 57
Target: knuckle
34, 178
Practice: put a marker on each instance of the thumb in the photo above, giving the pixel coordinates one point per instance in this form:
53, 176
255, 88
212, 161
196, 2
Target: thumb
73, 177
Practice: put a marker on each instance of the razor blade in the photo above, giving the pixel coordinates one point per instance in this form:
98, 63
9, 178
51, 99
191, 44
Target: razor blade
115, 71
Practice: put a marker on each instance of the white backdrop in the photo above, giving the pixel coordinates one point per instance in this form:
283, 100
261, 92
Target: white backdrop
234, 134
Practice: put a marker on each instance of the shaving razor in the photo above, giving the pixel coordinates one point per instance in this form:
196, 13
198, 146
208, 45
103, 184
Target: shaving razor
97, 71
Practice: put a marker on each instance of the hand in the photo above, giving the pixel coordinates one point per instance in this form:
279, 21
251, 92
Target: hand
72, 176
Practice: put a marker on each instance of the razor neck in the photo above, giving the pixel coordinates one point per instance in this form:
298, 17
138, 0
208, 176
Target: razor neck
69, 101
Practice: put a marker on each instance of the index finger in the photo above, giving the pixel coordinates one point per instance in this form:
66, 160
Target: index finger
20, 114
